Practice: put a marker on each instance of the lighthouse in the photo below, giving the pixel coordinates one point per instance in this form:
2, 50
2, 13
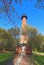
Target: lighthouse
23, 47
24, 19
23, 37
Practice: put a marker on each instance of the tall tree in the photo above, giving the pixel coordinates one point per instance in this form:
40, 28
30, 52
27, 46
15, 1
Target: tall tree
6, 40
15, 32
35, 40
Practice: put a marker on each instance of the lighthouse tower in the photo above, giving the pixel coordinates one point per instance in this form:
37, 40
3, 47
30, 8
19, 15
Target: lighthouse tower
23, 47
24, 18
23, 38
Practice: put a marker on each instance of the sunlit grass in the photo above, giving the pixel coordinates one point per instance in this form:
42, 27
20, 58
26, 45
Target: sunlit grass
38, 53
39, 59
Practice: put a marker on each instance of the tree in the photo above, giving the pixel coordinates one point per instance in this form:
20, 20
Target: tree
7, 8
6, 40
15, 32
35, 39
41, 43
30, 31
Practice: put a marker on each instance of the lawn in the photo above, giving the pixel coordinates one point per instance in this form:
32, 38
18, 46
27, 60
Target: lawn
38, 59
4, 57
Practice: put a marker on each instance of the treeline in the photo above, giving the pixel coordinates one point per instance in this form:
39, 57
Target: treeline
35, 39
9, 38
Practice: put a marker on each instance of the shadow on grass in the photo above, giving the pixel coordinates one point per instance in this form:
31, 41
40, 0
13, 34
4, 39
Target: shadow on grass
9, 61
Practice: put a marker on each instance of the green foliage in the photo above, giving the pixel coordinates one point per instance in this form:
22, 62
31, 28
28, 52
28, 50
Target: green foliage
35, 39
6, 40
30, 31
15, 32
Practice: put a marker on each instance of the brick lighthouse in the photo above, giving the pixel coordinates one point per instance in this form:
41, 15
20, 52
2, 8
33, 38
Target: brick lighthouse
24, 37
23, 47
24, 18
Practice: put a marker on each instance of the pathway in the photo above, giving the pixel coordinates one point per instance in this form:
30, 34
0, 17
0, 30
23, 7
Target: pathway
23, 60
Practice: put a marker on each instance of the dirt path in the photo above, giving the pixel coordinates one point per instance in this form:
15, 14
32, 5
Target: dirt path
23, 60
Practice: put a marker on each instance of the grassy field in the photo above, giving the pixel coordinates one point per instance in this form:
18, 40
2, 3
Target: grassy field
38, 59
4, 57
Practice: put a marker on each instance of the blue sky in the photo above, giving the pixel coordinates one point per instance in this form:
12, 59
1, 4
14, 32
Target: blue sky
35, 16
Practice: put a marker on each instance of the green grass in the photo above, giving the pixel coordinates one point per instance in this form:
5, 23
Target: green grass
39, 59
4, 57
